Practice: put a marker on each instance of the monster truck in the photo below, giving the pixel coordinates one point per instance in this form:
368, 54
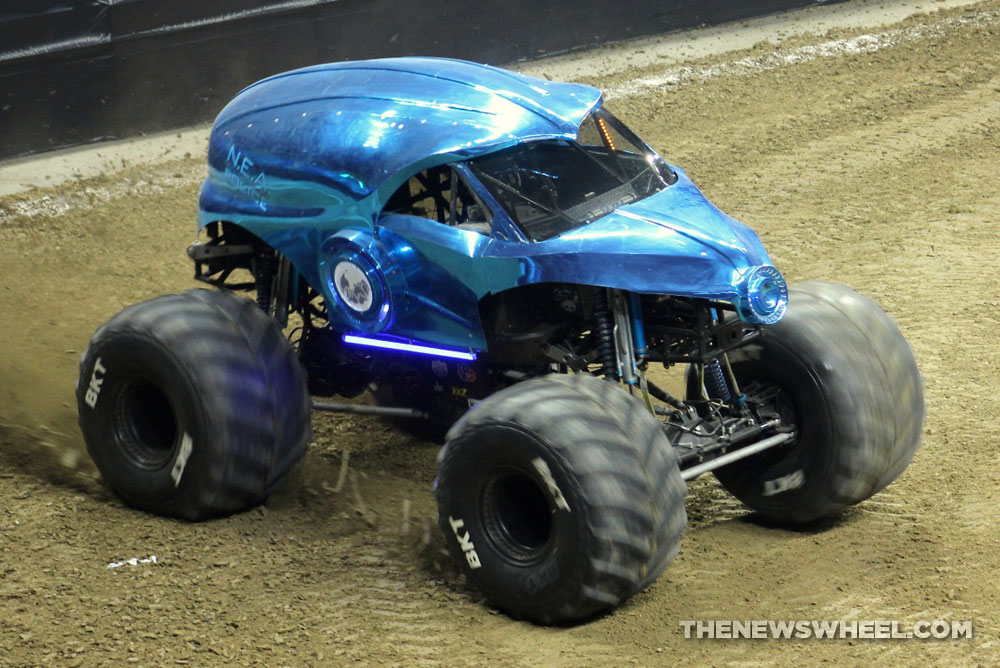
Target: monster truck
503, 258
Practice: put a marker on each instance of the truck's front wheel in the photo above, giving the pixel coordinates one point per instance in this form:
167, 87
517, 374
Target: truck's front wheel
560, 497
847, 380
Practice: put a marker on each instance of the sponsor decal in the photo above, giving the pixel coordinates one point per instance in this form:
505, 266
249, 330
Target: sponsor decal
465, 542
246, 178
550, 482
785, 483
466, 373
183, 454
440, 368
96, 380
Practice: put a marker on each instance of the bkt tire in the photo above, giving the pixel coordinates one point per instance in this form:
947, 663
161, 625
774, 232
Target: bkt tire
849, 382
193, 405
560, 497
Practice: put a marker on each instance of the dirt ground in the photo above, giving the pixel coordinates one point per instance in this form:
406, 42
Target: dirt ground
868, 157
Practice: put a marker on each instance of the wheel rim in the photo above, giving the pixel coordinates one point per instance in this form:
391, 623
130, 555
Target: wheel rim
517, 516
780, 404
145, 424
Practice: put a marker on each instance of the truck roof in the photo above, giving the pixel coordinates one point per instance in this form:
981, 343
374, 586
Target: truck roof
355, 124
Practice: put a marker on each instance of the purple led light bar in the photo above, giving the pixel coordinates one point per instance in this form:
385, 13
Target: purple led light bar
419, 348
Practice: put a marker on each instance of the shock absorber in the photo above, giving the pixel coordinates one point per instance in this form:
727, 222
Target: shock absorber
715, 381
604, 332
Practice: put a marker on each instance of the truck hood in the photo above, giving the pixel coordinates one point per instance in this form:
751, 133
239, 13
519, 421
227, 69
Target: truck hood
673, 242
684, 209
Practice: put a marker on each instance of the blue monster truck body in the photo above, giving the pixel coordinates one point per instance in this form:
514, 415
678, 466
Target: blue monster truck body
306, 161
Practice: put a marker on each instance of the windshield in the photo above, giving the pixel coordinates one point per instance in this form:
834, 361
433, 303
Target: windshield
550, 187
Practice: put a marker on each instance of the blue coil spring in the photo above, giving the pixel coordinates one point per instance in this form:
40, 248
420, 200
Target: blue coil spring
715, 381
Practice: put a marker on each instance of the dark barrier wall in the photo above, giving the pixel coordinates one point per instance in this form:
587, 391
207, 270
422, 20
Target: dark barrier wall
77, 71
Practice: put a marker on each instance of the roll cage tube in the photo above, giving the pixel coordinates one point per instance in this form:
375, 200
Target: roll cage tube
553, 186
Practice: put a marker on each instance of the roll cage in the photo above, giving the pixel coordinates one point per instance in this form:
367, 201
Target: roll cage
543, 187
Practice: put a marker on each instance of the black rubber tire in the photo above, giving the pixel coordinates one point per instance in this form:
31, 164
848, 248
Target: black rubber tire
852, 383
603, 529
193, 405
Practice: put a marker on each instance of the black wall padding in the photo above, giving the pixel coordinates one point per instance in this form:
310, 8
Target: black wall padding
78, 71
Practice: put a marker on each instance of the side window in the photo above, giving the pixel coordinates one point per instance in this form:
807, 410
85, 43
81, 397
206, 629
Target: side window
603, 142
440, 194
597, 133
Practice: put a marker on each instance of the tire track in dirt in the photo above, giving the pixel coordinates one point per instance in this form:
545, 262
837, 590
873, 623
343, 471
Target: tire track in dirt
382, 593
872, 155
879, 149
780, 58
765, 120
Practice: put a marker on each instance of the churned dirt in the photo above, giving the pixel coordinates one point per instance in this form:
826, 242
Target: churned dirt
874, 161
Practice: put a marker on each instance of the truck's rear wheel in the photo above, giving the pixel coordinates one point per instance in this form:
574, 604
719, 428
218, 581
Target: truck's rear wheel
560, 497
193, 405
848, 381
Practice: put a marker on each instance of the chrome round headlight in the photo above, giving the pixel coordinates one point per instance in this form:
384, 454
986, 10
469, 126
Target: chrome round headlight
765, 296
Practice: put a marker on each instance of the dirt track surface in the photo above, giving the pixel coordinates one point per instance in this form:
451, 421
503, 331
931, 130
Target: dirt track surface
874, 164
